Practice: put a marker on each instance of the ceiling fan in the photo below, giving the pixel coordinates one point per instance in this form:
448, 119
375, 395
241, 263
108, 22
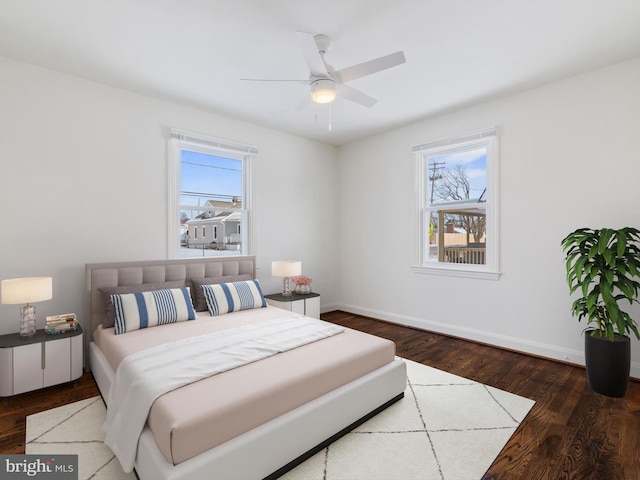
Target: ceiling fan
326, 83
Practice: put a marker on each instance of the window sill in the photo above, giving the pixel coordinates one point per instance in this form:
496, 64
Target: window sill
455, 271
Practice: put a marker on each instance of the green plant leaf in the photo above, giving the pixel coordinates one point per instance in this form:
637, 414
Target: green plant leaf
608, 275
585, 289
587, 268
623, 323
592, 300
622, 242
621, 267
609, 257
609, 332
605, 291
626, 287
603, 240
578, 268
634, 329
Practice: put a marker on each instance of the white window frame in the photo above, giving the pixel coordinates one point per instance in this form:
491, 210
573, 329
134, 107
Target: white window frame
487, 138
182, 139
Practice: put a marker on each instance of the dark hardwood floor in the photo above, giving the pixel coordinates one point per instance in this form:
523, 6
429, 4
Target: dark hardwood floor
13, 415
571, 432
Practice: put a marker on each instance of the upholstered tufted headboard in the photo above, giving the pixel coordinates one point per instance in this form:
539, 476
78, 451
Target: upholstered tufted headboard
101, 275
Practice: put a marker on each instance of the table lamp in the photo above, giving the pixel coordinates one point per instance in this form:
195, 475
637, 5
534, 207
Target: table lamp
26, 290
286, 269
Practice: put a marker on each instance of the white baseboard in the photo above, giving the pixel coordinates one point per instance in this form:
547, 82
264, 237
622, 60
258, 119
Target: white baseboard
553, 352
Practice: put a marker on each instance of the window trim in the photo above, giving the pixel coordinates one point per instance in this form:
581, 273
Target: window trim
215, 146
482, 138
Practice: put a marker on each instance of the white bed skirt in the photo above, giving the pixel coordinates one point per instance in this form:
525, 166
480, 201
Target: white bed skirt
265, 449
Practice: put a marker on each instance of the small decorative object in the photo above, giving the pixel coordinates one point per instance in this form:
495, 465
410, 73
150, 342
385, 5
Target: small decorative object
303, 285
66, 322
286, 269
27, 290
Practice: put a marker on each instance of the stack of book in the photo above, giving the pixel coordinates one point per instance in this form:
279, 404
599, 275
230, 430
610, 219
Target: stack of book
61, 323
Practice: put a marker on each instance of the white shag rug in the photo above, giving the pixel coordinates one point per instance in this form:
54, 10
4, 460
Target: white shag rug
445, 428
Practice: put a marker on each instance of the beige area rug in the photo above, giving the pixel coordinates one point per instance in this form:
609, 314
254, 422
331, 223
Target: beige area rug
76, 429
445, 428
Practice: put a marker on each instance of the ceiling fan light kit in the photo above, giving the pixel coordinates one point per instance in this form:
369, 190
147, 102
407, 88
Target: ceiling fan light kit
323, 90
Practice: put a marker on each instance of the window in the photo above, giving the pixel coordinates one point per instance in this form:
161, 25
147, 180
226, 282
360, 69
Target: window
209, 186
457, 213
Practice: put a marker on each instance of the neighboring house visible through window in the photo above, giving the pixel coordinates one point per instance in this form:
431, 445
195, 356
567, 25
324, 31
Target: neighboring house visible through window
209, 187
457, 218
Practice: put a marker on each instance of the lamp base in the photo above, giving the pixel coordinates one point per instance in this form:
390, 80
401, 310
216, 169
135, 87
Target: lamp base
28, 321
286, 287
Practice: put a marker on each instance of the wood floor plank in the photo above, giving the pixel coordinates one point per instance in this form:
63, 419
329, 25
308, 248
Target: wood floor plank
571, 433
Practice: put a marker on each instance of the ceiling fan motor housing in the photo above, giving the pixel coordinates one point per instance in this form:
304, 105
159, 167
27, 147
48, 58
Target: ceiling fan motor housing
323, 42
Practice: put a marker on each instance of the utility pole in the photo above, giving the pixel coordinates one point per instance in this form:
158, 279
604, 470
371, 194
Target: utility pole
434, 175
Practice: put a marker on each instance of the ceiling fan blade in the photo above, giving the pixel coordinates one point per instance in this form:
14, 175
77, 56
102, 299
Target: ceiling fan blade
367, 68
350, 93
303, 82
312, 55
304, 103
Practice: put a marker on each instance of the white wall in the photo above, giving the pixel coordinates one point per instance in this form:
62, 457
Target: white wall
569, 157
83, 178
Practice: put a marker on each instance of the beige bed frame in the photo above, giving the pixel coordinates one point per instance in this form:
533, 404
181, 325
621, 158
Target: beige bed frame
269, 450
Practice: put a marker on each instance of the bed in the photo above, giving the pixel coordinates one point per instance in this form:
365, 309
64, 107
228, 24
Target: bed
255, 421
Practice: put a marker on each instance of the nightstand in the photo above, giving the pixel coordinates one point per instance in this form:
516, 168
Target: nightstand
30, 363
308, 305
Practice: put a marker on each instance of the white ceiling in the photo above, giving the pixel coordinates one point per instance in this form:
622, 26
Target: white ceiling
194, 52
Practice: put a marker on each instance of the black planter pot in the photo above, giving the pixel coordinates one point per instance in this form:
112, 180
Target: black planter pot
608, 364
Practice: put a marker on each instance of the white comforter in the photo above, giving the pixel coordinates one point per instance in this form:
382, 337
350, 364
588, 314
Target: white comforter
144, 376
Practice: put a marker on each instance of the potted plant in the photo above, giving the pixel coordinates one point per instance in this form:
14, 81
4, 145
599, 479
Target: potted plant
603, 266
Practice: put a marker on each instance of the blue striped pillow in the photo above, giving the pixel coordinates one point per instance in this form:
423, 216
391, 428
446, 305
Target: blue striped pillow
231, 297
133, 311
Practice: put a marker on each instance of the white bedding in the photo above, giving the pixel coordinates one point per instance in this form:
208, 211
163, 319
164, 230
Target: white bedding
144, 376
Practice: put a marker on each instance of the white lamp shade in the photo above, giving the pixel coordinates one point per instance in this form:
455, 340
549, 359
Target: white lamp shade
26, 290
286, 268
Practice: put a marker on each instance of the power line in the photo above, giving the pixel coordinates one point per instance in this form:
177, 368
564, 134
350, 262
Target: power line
212, 166
208, 195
